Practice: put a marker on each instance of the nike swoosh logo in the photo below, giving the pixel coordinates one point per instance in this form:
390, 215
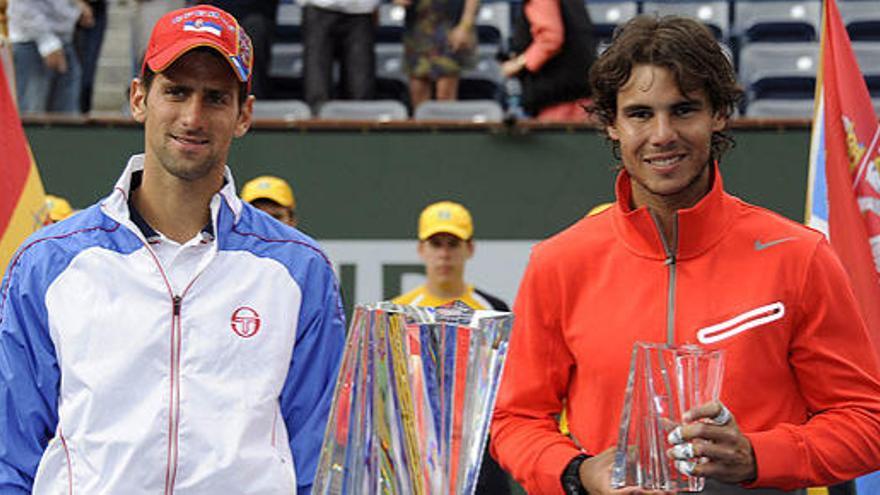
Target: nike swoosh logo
760, 246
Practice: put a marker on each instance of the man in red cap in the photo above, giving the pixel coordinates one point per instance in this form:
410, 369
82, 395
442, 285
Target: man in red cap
171, 338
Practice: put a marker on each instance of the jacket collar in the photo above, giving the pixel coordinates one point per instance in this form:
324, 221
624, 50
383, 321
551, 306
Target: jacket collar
116, 204
699, 227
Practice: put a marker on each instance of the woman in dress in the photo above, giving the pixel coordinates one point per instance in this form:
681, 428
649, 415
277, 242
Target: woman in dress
439, 40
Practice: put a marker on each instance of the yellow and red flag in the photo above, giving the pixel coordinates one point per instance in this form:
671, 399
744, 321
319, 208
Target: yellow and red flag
22, 199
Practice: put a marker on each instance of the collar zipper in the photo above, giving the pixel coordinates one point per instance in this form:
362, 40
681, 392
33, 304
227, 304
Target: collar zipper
670, 250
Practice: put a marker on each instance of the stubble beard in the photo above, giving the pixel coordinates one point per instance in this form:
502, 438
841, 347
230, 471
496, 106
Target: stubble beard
188, 170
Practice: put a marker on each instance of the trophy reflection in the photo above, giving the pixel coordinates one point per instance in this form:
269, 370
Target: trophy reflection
664, 382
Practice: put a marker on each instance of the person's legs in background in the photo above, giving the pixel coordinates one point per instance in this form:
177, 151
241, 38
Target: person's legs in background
88, 46
447, 88
64, 88
359, 57
32, 78
318, 48
419, 91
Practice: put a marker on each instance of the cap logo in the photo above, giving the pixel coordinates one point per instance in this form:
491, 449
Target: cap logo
245, 322
444, 215
242, 61
203, 26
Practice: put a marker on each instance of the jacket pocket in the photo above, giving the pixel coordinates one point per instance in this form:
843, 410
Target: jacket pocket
281, 449
742, 322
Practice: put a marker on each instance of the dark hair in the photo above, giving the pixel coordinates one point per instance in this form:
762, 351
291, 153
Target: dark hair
683, 46
147, 76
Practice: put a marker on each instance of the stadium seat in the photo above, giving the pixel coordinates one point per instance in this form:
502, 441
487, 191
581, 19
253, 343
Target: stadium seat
776, 20
285, 71
389, 62
289, 110
493, 24
862, 19
288, 22
713, 13
483, 81
607, 15
372, 110
479, 111
391, 19
868, 55
287, 60
779, 71
391, 80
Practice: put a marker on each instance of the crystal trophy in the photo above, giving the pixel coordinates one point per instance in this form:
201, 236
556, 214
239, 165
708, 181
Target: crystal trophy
412, 405
664, 382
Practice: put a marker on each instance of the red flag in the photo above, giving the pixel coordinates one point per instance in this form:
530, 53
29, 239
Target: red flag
851, 163
22, 200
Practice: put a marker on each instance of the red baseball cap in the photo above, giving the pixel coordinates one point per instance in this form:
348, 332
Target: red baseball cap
179, 31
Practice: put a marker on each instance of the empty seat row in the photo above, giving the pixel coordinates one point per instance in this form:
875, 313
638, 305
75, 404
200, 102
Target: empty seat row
780, 78
477, 111
749, 20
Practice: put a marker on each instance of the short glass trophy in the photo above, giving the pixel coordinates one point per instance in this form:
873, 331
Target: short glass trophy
664, 382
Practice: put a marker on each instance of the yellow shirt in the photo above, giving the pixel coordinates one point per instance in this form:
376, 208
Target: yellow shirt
420, 297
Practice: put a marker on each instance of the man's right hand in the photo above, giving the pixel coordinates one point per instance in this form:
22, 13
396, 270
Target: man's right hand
56, 61
595, 474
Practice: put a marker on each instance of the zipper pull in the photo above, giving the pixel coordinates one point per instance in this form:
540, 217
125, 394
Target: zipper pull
176, 305
670, 260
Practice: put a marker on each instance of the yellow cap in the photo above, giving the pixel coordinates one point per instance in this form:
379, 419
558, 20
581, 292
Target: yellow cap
269, 187
58, 208
599, 209
446, 217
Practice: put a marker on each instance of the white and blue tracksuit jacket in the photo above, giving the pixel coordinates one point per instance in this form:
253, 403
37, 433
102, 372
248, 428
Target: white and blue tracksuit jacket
111, 383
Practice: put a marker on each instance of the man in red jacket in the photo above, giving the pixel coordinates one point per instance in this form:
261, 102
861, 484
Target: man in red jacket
678, 260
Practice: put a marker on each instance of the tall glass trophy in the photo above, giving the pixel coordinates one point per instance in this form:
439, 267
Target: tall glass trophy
412, 405
664, 382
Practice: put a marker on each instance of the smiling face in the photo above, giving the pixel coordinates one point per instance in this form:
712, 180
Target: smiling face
665, 138
191, 113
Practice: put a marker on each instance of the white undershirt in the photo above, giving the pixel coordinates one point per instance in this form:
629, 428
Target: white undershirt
182, 262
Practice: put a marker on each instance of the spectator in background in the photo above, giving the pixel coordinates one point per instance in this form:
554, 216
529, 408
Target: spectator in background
553, 51
272, 195
57, 209
88, 40
47, 69
446, 242
439, 41
345, 29
258, 18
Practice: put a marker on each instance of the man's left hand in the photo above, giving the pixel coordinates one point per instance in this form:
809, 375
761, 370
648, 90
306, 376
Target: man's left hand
710, 444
